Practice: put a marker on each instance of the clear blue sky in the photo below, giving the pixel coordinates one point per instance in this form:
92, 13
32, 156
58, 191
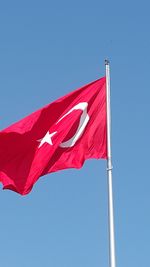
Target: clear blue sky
48, 48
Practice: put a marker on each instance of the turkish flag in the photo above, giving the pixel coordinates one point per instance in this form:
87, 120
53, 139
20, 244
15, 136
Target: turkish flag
58, 136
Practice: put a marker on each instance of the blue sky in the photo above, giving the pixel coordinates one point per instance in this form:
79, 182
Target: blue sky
47, 49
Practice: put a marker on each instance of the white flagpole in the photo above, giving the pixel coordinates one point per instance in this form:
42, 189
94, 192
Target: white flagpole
112, 258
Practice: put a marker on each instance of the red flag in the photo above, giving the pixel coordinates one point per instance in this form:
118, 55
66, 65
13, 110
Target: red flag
61, 135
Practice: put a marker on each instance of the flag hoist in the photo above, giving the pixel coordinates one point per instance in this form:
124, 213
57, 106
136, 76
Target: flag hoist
112, 257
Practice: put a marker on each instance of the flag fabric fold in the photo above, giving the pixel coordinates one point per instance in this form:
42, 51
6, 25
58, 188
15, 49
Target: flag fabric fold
58, 136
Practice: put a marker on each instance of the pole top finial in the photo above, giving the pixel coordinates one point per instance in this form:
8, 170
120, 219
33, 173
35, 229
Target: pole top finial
106, 62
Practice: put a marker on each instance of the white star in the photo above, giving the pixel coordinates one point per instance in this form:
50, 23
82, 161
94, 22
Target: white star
47, 139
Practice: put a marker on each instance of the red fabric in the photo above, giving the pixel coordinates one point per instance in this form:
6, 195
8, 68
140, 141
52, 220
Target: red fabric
25, 155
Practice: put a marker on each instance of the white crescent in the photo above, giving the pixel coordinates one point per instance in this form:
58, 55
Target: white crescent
82, 124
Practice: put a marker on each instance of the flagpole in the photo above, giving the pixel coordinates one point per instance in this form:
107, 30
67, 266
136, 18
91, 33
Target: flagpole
112, 258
